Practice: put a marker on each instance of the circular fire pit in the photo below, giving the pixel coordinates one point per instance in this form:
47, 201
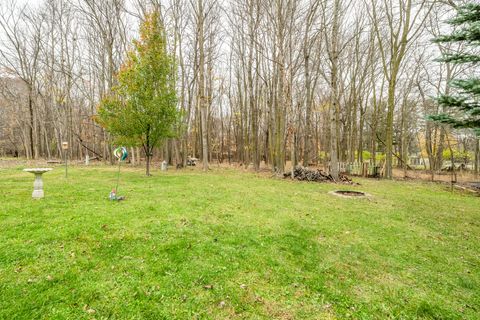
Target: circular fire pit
349, 194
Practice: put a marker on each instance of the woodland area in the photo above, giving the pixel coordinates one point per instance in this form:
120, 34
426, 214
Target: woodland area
258, 82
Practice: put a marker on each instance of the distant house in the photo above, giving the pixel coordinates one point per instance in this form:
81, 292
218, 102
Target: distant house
416, 160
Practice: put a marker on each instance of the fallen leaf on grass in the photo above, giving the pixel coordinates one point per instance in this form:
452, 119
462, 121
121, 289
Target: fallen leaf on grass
88, 310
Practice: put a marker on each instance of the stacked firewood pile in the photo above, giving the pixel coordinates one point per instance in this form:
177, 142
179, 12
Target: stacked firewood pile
473, 187
305, 174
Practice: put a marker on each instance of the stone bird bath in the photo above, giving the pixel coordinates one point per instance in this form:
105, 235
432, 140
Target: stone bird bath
38, 183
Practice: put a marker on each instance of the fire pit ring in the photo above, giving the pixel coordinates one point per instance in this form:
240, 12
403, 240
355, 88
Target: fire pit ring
349, 194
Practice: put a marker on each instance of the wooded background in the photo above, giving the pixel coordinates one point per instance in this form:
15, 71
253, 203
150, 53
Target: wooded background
259, 82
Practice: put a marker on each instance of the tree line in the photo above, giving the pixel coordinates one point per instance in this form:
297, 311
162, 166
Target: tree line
257, 82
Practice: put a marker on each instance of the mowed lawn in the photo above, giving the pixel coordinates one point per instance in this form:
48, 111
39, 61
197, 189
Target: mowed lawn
233, 245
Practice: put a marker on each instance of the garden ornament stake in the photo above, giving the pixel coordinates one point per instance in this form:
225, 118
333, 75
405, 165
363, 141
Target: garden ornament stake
121, 154
65, 151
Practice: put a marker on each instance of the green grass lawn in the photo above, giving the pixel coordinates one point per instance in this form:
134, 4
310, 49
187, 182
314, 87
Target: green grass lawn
231, 245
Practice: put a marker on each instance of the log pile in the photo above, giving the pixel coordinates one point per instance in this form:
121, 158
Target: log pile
473, 187
305, 174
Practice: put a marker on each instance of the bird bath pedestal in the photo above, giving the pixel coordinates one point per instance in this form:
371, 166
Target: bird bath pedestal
38, 183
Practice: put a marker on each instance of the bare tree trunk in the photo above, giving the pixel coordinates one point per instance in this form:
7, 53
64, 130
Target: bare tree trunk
201, 83
334, 100
477, 157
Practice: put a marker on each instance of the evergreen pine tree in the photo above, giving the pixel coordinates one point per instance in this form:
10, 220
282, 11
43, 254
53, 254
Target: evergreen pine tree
465, 103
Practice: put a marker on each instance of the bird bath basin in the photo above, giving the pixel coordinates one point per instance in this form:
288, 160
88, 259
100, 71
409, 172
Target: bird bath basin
38, 183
